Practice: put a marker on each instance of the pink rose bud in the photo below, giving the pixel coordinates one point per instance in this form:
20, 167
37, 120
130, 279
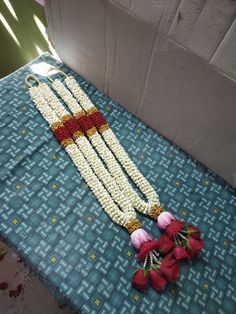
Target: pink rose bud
139, 237
164, 219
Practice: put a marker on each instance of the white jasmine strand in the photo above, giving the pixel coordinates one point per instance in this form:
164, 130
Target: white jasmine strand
90, 154
82, 165
105, 153
110, 140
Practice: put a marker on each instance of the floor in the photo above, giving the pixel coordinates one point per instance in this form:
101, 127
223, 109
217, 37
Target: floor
36, 299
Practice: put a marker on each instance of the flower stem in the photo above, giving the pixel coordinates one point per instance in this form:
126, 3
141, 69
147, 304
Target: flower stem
154, 257
156, 254
151, 258
176, 241
183, 237
145, 261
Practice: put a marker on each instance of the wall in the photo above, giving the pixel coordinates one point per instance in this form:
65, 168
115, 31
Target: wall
170, 62
26, 41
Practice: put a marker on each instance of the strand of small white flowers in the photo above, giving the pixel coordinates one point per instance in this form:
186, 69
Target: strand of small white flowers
88, 151
63, 136
152, 207
111, 140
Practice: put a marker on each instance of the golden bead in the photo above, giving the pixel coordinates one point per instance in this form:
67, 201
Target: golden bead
66, 118
56, 125
156, 211
92, 110
133, 225
103, 128
80, 114
91, 131
67, 142
77, 134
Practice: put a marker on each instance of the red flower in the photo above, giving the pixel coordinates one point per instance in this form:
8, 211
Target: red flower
140, 280
194, 231
195, 245
3, 285
170, 269
174, 227
181, 253
165, 244
157, 281
170, 255
147, 247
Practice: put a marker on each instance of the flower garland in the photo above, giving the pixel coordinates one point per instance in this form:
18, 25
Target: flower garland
86, 148
93, 122
182, 240
160, 257
126, 219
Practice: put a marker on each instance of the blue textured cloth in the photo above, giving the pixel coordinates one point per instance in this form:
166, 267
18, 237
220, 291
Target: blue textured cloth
49, 215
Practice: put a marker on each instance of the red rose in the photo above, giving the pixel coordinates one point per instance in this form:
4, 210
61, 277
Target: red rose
157, 281
181, 253
174, 227
195, 245
170, 255
140, 280
194, 231
170, 269
147, 247
3, 285
165, 244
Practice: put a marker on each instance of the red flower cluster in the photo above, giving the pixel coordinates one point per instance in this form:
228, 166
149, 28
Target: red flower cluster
180, 241
61, 134
157, 277
174, 228
98, 119
85, 123
73, 126
163, 245
187, 240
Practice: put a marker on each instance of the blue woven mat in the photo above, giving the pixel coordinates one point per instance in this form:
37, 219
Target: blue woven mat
48, 214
